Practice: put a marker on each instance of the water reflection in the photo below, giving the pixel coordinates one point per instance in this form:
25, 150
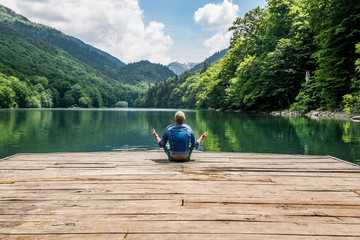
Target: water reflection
267, 134
118, 130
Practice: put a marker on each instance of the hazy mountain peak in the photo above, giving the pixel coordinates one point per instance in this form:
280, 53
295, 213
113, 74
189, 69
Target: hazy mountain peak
180, 68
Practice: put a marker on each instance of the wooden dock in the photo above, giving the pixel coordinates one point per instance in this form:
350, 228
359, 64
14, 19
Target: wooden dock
141, 195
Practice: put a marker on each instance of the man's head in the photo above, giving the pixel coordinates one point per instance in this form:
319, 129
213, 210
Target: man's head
179, 117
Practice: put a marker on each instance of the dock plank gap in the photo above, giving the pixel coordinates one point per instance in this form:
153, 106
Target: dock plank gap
141, 195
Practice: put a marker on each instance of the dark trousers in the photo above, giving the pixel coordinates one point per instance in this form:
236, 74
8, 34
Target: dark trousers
168, 153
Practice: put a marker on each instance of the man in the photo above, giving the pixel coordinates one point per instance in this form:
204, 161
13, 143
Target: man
181, 139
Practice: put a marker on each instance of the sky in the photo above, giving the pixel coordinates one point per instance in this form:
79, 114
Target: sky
161, 31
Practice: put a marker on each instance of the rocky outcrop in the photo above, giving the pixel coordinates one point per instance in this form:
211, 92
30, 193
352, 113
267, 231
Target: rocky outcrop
317, 115
314, 114
286, 113
328, 115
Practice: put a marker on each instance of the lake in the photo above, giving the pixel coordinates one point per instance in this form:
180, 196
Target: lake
90, 130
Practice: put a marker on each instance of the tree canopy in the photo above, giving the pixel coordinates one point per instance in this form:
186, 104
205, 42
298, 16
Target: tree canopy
293, 54
42, 67
36, 74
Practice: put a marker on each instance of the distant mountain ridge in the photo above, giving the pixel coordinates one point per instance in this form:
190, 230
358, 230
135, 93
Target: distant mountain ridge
113, 59
43, 67
180, 68
213, 58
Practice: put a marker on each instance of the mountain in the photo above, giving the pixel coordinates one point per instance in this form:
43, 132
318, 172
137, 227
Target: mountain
180, 68
145, 72
43, 67
213, 58
109, 57
37, 74
180, 91
102, 61
88, 54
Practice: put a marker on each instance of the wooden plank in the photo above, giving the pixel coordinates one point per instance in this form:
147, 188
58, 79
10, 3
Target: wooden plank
141, 195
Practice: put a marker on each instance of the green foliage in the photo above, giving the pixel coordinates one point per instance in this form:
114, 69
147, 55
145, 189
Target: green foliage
297, 54
213, 58
41, 75
190, 89
307, 99
207, 87
283, 75
72, 73
357, 63
279, 22
13, 93
336, 24
86, 53
7, 97
121, 104
164, 94
244, 90
144, 71
352, 103
251, 28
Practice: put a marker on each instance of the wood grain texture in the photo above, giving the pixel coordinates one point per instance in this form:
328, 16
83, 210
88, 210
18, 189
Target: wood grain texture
141, 195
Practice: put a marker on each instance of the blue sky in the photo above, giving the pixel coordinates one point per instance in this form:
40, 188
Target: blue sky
188, 36
160, 31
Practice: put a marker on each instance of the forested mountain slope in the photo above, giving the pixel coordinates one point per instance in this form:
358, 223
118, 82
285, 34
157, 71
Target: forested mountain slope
213, 58
75, 47
42, 67
37, 74
298, 54
102, 61
180, 68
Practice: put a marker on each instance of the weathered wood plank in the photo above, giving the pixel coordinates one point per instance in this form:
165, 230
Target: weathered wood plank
140, 195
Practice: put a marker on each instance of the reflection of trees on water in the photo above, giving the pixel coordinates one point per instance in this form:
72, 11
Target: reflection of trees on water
235, 132
109, 129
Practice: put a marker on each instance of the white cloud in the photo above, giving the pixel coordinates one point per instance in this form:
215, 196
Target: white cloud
116, 27
218, 42
217, 16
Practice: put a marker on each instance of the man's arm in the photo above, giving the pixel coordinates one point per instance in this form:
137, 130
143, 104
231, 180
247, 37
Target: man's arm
155, 135
202, 137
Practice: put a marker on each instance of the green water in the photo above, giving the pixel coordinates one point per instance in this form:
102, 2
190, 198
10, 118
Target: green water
42, 131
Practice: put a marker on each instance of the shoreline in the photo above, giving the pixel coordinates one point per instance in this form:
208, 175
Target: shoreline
314, 114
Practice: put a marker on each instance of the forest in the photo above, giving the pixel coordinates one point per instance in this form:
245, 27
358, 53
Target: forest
41, 67
35, 74
293, 54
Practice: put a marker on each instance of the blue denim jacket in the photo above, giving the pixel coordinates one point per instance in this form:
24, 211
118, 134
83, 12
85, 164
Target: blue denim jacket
180, 138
